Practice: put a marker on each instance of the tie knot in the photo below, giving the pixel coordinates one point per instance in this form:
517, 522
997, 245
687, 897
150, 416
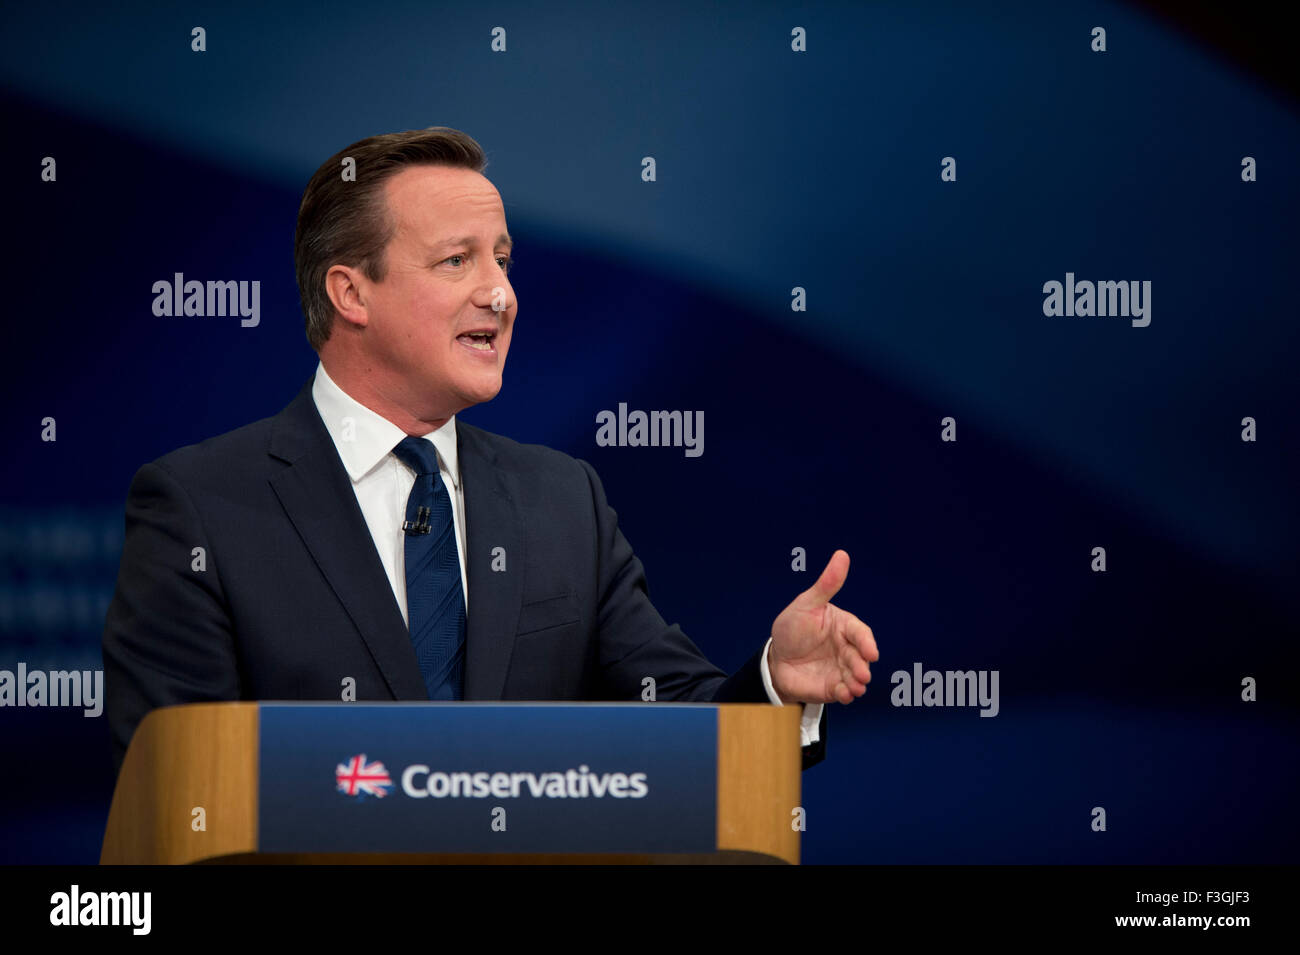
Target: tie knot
418, 454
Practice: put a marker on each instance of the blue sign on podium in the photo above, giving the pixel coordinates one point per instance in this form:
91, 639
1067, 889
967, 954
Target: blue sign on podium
487, 777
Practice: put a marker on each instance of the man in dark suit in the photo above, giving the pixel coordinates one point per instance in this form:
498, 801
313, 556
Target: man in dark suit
326, 553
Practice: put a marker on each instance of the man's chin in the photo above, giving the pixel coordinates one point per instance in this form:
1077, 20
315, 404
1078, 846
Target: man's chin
477, 396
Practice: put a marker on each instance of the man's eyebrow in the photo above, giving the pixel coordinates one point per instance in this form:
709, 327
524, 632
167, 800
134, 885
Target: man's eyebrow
502, 239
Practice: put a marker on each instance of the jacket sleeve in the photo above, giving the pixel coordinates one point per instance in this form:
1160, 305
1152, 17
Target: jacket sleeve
167, 636
636, 643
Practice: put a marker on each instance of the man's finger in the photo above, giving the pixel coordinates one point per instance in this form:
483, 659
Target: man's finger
860, 636
831, 580
852, 665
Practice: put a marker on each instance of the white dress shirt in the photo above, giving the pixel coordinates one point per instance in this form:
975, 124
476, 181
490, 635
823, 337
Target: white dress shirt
382, 483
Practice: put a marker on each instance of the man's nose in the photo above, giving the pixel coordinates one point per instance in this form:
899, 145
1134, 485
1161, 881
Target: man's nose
495, 293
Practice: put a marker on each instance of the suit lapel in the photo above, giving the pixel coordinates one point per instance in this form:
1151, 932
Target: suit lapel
318, 498
492, 520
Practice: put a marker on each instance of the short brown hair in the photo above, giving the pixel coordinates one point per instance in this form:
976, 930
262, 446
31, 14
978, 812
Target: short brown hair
347, 222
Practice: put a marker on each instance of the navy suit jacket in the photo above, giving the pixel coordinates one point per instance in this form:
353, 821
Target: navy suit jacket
292, 597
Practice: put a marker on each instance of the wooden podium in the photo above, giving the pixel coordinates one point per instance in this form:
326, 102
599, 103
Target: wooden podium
206, 755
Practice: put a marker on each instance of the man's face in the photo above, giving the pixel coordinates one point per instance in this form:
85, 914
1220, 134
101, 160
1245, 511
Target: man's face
446, 266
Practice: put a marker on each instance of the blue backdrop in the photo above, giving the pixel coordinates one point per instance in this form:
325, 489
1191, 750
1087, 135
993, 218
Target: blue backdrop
776, 169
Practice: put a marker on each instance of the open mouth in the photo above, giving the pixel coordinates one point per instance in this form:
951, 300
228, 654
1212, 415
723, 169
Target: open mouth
484, 341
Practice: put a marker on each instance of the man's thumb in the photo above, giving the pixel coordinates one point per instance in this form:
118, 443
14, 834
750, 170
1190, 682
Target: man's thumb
832, 578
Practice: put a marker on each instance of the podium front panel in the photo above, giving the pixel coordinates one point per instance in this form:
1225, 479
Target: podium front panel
487, 777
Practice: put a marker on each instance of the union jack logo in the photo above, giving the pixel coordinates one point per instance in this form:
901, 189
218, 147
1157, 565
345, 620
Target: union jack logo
356, 777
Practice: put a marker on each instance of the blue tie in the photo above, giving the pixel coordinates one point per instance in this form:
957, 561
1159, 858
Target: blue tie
435, 602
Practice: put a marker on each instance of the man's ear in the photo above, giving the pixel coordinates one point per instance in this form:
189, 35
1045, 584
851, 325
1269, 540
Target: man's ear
343, 285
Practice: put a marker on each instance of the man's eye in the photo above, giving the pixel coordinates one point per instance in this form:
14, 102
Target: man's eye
449, 258
505, 262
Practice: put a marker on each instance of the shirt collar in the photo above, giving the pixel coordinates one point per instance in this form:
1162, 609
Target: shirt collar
365, 438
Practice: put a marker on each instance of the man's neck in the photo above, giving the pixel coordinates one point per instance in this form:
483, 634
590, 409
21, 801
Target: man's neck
367, 388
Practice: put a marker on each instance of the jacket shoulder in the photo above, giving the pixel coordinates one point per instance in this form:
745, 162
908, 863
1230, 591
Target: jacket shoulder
233, 452
221, 452
532, 459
